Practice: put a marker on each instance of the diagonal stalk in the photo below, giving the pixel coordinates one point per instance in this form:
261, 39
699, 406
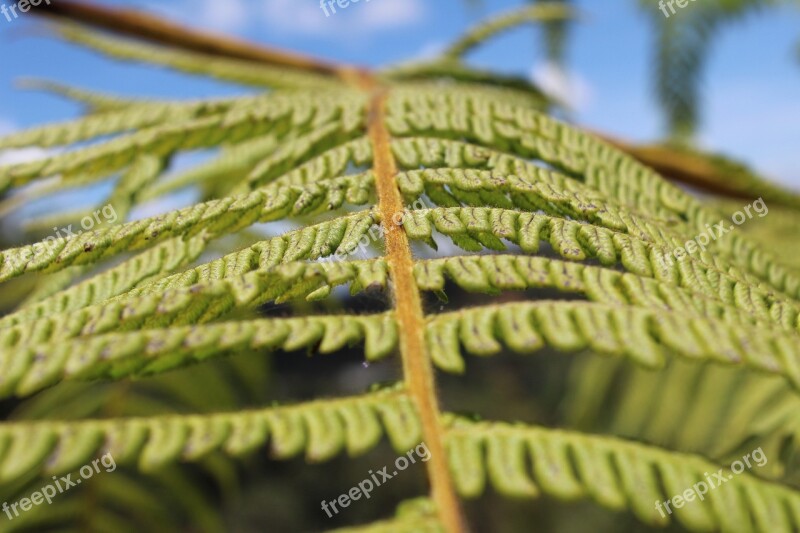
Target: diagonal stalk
138, 24
417, 367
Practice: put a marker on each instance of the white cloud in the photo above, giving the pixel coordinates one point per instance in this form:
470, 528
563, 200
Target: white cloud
356, 20
291, 16
430, 51
21, 155
6, 126
227, 16
569, 88
385, 14
295, 17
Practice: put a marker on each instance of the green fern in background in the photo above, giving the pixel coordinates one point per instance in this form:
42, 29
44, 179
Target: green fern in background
682, 44
553, 243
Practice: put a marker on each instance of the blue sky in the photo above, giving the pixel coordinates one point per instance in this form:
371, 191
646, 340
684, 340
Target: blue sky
752, 86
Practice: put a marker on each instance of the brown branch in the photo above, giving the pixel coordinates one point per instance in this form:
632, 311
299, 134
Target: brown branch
681, 167
150, 28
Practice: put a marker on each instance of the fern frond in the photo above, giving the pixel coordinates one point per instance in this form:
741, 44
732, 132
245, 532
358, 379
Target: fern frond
95, 102
545, 12
200, 302
412, 516
320, 430
682, 51
154, 263
299, 162
616, 474
452, 69
728, 411
130, 118
341, 159
638, 334
498, 273
555, 37
272, 113
215, 217
118, 355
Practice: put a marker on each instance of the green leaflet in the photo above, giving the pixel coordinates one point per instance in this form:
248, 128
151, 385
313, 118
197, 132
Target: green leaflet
412, 516
197, 303
96, 102
517, 88
573, 327
498, 273
320, 430
301, 163
528, 133
728, 410
144, 170
543, 13
129, 118
614, 473
445, 112
150, 264
118, 355
214, 217
643, 335
340, 235
441, 153
275, 113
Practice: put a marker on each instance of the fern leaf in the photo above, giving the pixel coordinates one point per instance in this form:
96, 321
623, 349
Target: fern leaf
320, 430
641, 335
117, 355
214, 218
537, 211
616, 474
153, 263
412, 516
547, 12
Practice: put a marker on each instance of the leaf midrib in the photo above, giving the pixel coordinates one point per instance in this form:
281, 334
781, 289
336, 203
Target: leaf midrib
417, 367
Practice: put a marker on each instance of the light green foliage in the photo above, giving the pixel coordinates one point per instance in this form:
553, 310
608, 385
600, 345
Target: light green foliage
320, 430
533, 212
413, 516
616, 474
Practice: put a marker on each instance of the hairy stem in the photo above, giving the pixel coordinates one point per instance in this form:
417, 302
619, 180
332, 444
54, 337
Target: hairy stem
417, 367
